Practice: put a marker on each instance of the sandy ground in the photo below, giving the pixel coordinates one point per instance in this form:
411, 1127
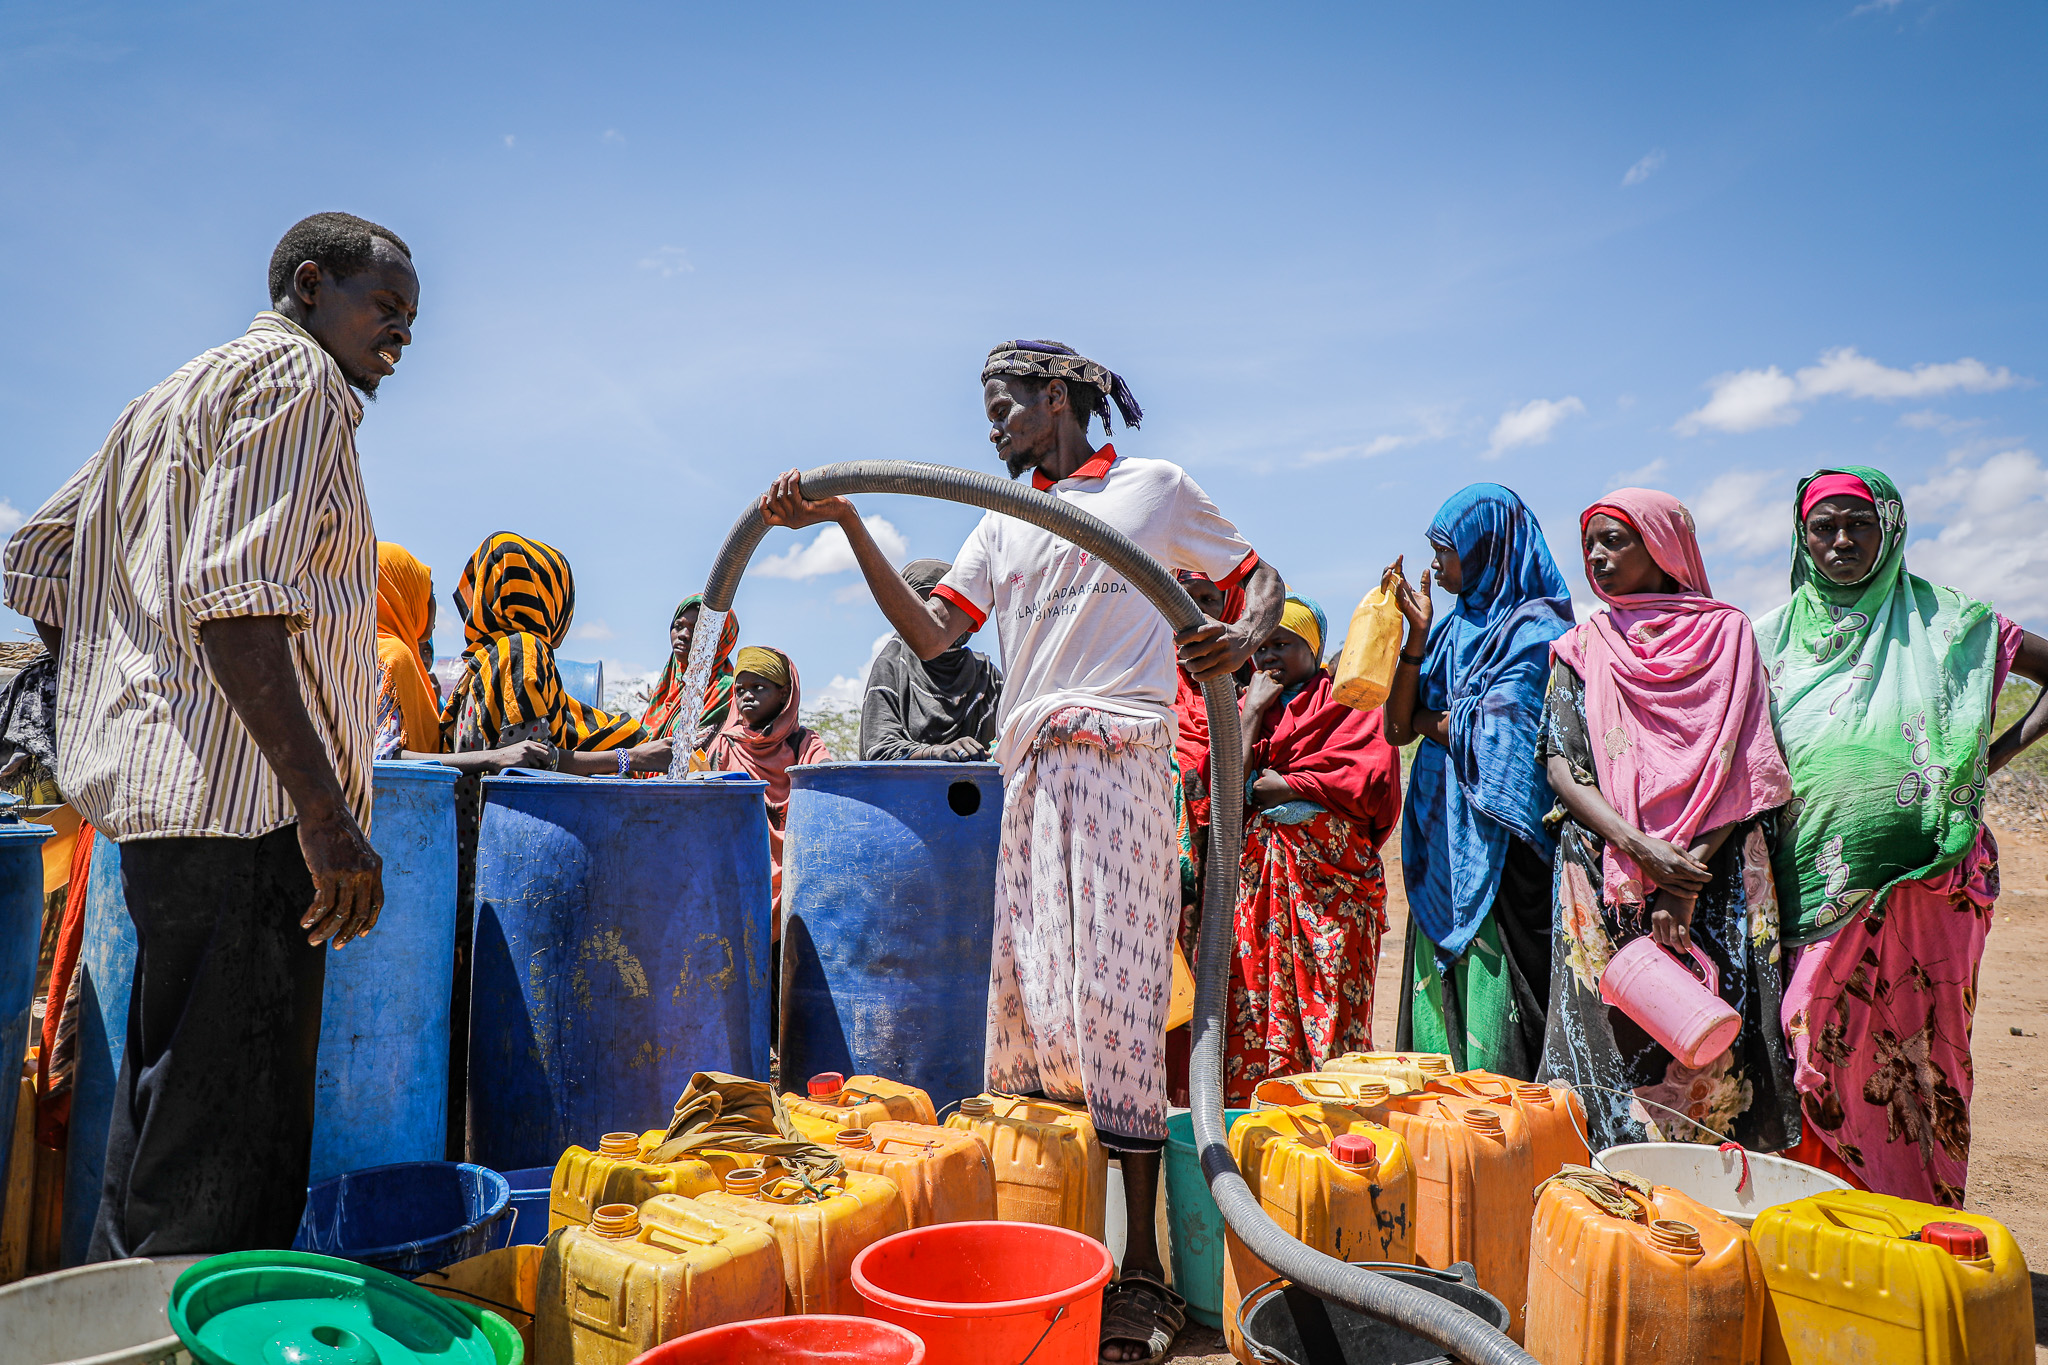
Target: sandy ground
2009, 1138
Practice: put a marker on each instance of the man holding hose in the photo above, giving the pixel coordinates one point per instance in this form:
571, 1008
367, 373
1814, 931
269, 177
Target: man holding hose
1087, 883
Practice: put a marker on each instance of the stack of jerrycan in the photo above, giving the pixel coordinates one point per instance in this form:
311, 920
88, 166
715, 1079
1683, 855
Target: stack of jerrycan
1866, 1277
942, 1174
835, 1103
818, 1226
617, 1173
1555, 1114
634, 1278
1621, 1271
1413, 1069
1333, 1179
1049, 1164
1473, 1162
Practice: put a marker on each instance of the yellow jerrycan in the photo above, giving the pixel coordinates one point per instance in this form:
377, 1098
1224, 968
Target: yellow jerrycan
1413, 1069
1049, 1165
1354, 1089
834, 1102
1365, 668
616, 1173
635, 1278
1621, 1273
1867, 1277
943, 1174
1332, 1179
820, 1228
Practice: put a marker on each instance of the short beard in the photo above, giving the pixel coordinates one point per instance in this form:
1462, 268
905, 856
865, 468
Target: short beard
368, 391
1019, 465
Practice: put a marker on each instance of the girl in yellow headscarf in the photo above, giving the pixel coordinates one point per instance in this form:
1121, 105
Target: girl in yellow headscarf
516, 598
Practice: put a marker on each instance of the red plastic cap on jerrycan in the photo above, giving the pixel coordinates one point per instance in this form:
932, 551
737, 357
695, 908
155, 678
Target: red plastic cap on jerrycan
825, 1085
1353, 1149
815, 1338
990, 1293
1675, 1005
1959, 1240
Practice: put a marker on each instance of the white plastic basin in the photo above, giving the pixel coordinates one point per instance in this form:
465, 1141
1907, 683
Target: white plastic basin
106, 1314
1709, 1175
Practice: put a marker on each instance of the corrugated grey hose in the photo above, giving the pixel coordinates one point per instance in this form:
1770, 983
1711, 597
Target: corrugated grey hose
1465, 1335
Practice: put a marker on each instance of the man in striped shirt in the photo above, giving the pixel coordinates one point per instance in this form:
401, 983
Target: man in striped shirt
207, 583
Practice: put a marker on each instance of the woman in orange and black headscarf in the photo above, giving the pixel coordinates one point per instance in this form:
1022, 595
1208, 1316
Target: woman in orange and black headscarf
408, 705
516, 598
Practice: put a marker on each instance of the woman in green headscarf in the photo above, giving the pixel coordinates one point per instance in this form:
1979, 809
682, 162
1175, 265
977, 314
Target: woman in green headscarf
1883, 687
665, 709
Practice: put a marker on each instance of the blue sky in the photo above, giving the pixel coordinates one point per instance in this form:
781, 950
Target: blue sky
1350, 258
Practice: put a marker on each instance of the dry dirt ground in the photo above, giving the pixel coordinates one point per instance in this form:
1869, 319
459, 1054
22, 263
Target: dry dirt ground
2009, 1137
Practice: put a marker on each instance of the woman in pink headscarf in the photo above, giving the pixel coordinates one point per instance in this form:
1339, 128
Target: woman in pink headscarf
1657, 739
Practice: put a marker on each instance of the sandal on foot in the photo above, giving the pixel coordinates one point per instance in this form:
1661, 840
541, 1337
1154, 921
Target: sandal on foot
1140, 1310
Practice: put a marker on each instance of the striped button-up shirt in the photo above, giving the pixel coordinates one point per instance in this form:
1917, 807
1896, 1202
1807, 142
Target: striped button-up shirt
230, 489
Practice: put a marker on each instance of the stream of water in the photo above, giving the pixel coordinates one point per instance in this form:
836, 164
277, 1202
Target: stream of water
696, 675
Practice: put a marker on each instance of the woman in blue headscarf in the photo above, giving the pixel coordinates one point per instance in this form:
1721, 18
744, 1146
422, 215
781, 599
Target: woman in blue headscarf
1475, 856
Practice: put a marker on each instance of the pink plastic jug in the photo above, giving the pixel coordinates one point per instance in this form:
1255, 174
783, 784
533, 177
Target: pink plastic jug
1675, 1004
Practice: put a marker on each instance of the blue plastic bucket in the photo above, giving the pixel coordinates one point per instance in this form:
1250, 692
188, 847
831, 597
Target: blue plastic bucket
21, 925
408, 1218
528, 1225
1194, 1223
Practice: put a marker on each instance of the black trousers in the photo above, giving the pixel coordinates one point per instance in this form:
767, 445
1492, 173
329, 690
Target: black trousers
212, 1131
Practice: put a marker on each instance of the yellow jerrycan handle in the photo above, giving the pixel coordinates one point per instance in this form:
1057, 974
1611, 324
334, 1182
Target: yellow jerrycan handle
1836, 1207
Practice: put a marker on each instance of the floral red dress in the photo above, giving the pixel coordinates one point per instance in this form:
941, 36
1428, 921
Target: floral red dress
1312, 893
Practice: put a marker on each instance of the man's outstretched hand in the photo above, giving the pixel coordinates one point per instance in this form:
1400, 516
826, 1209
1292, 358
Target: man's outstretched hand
784, 504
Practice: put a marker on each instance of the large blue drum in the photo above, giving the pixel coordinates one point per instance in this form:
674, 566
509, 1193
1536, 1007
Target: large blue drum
21, 929
106, 975
889, 874
621, 945
383, 1088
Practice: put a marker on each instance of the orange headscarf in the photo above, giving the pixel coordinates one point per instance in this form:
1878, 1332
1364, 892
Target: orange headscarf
405, 609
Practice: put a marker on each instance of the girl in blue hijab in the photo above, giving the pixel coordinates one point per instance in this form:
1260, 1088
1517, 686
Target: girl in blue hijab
1475, 856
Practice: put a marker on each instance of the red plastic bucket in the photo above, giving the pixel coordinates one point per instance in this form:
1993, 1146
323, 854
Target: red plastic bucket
990, 1293
815, 1338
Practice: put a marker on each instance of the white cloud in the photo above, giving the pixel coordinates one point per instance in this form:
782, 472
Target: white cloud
1990, 544
613, 135
1640, 476
1875, 7
11, 518
600, 629
1744, 512
668, 262
1749, 400
1431, 427
831, 553
510, 140
1645, 168
1530, 425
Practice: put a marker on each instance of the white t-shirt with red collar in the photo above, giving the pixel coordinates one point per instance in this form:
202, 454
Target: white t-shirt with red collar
1073, 631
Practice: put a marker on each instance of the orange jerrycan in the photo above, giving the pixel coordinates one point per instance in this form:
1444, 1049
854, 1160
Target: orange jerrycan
835, 1102
1555, 1113
1412, 1069
943, 1174
1472, 1189
627, 1283
616, 1173
1353, 1089
1867, 1277
1332, 1179
1618, 1274
820, 1229
1049, 1165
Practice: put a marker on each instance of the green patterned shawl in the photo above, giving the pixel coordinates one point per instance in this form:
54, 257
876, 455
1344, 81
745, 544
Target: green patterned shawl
1882, 693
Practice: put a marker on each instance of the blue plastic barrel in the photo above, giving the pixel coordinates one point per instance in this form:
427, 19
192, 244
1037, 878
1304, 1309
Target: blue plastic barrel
585, 682
531, 1190
21, 935
889, 874
621, 945
383, 1088
407, 1218
106, 974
